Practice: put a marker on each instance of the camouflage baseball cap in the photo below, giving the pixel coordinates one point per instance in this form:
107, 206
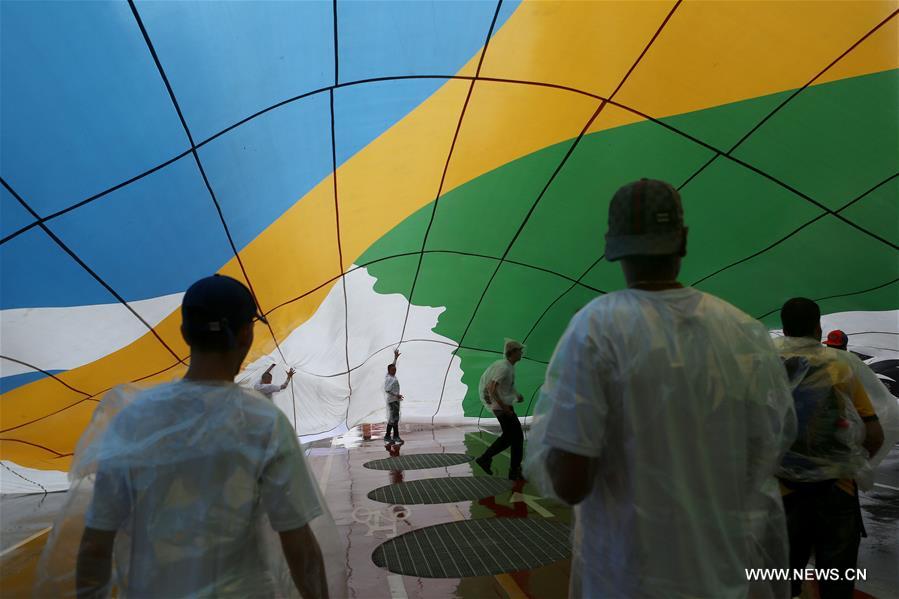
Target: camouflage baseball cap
646, 218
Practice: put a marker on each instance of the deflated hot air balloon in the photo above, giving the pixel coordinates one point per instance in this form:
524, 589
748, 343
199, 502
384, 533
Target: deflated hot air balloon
433, 176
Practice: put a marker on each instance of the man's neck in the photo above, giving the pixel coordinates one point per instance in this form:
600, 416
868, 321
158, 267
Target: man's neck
207, 367
655, 285
804, 338
651, 275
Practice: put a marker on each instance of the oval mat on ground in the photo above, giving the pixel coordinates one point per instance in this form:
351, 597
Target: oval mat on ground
483, 547
441, 490
419, 461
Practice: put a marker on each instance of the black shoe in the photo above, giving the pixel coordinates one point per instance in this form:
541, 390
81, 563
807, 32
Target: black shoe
484, 463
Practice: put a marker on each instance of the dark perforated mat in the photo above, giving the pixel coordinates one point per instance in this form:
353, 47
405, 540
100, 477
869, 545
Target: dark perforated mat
483, 547
441, 490
418, 461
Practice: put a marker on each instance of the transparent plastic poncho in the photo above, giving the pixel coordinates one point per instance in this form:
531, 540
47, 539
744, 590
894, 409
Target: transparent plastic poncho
684, 406
192, 477
831, 433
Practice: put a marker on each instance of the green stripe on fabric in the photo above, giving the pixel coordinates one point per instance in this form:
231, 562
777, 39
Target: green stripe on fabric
833, 142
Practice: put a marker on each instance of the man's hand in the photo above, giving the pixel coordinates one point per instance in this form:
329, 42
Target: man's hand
400, 397
571, 474
94, 563
291, 372
304, 558
520, 398
396, 354
873, 436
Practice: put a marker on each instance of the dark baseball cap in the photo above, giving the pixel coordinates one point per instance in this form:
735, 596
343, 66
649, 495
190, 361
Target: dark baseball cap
646, 218
218, 302
836, 338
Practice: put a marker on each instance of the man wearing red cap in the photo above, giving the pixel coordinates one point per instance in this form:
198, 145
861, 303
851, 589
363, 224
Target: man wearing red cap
837, 339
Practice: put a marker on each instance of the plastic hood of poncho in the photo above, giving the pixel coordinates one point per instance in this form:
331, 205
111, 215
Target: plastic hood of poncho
643, 490
99, 444
859, 465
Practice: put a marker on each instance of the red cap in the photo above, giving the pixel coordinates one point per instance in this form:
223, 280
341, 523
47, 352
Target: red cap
836, 338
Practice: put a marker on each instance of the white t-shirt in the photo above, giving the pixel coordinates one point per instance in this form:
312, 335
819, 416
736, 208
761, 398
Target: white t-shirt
267, 389
684, 404
503, 372
391, 388
186, 472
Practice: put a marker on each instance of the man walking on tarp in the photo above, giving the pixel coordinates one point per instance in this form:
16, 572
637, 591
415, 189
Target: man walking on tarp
838, 431
498, 393
393, 397
194, 488
663, 417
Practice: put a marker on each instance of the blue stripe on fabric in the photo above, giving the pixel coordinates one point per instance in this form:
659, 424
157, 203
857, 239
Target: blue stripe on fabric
382, 38
12, 215
84, 107
91, 111
263, 168
8, 383
228, 60
394, 39
362, 112
151, 238
35, 272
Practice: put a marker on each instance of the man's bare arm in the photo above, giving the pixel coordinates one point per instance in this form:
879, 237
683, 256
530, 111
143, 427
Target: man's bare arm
572, 475
94, 565
290, 374
873, 436
304, 557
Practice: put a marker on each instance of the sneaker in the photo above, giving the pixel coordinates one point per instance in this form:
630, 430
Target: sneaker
398, 441
387, 439
484, 463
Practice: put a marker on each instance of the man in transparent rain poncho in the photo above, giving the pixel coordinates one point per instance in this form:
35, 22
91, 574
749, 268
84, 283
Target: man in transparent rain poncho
663, 416
839, 404
177, 490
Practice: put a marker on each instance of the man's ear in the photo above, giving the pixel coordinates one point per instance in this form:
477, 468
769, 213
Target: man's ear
683, 247
244, 337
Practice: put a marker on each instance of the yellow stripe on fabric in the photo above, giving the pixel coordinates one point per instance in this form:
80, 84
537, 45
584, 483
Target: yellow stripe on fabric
709, 54
714, 53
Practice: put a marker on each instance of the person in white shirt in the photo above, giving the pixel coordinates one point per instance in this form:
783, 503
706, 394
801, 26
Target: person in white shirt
187, 479
393, 397
265, 385
663, 418
497, 391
